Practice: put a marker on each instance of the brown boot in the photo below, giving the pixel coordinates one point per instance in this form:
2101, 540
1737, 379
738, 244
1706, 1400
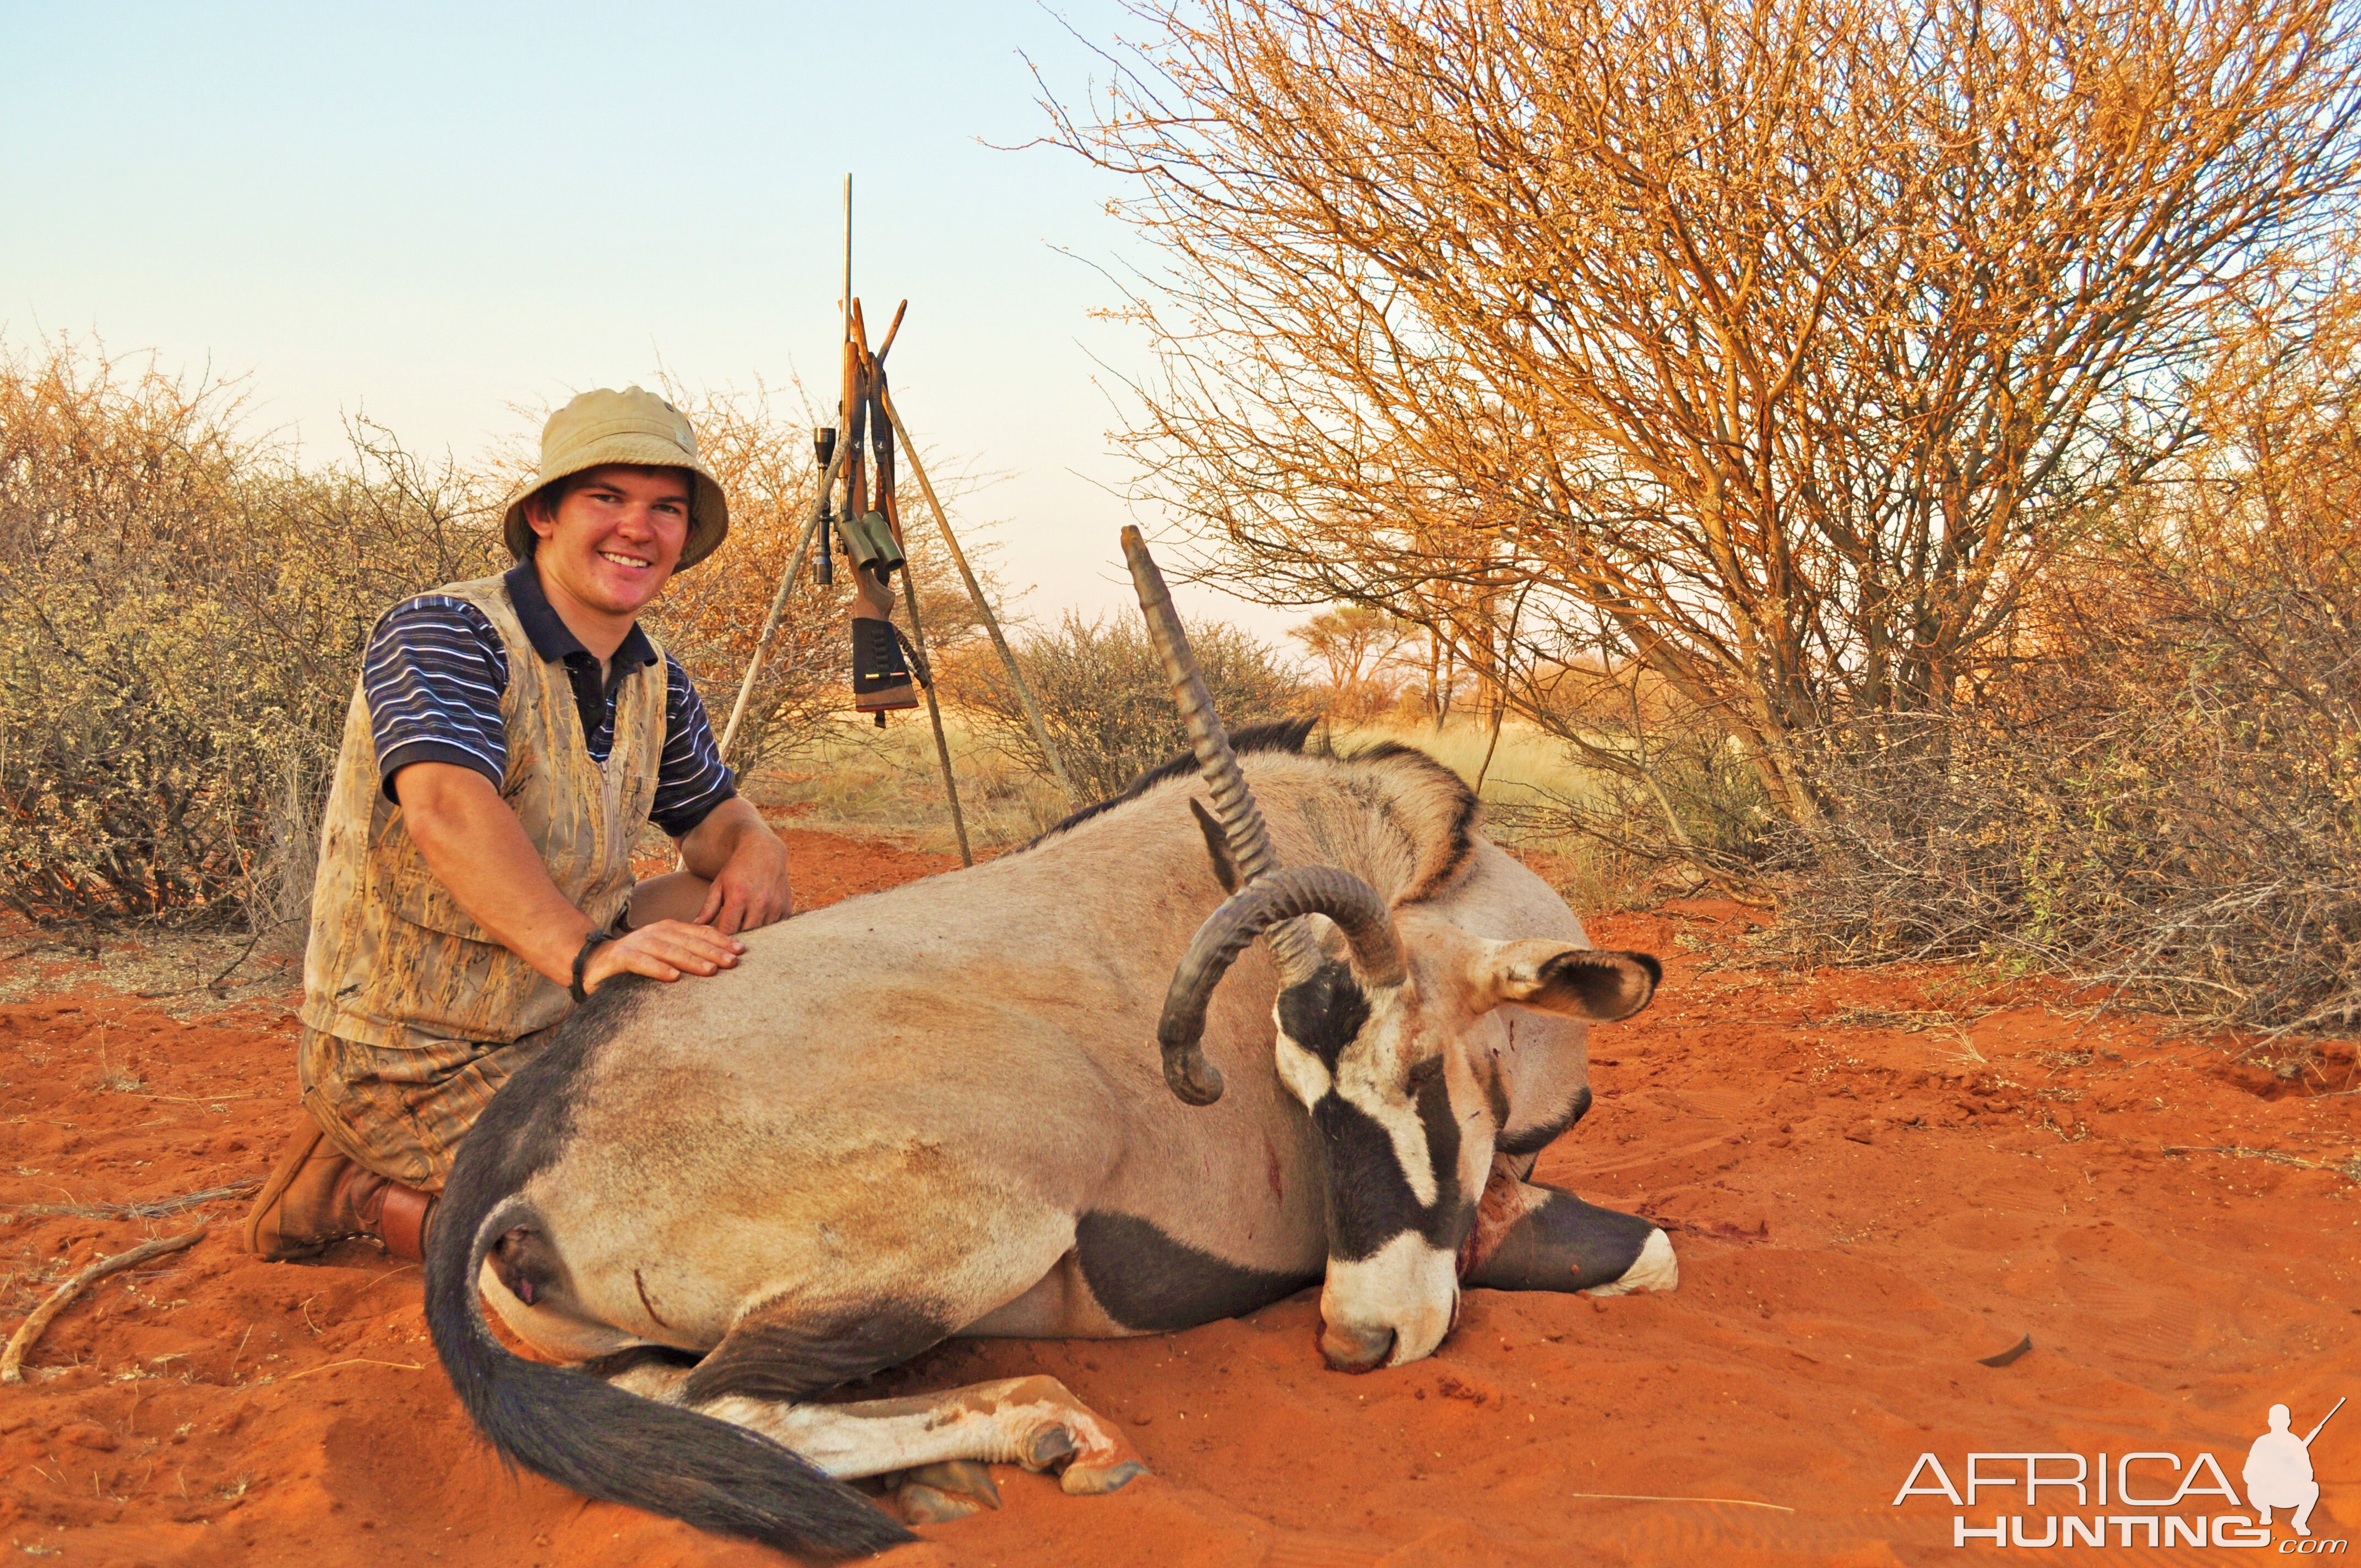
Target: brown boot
315, 1195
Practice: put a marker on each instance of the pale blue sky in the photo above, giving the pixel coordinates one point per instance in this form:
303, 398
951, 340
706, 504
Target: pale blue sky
435, 211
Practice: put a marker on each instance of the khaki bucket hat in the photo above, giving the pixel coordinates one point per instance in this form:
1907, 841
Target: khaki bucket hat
629, 426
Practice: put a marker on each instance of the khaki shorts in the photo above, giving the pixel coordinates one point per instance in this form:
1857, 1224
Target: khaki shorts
401, 1110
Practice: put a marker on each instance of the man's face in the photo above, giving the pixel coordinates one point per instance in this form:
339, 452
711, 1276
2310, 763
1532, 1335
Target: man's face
612, 541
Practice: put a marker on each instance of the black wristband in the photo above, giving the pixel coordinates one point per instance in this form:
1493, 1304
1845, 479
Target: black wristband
590, 945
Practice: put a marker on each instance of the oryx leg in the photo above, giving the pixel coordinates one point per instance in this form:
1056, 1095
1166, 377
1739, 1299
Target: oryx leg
820, 1326
1032, 1421
1529, 1237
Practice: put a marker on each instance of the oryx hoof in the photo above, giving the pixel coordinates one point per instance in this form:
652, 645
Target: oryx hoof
1094, 1480
1656, 1268
922, 1504
1048, 1446
937, 1493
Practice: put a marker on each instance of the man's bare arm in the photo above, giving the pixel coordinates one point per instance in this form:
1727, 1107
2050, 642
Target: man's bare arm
735, 850
476, 848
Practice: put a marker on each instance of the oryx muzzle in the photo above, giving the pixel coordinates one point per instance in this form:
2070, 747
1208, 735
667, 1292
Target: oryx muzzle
1354, 904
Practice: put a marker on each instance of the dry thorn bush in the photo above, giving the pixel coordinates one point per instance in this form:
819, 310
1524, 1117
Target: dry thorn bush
1746, 392
1781, 344
2161, 788
181, 613
1106, 703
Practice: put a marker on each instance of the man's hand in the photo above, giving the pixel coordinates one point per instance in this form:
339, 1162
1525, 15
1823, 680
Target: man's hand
735, 850
664, 950
473, 843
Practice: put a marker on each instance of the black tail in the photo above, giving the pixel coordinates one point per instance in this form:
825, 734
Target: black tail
585, 1433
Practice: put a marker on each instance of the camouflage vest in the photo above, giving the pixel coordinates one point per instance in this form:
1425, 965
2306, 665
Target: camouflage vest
393, 960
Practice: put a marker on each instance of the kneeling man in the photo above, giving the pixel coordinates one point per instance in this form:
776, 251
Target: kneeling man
508, 738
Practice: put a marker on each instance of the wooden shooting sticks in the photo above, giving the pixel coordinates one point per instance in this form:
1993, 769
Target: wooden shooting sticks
864, 442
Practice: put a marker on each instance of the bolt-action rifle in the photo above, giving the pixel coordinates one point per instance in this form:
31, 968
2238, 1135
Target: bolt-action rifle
868, 526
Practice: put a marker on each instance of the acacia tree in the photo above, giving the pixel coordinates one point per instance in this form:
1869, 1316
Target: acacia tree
1771, 342
1353, 645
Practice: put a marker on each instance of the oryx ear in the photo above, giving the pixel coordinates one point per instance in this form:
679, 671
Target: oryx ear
1217, 845
1577, 983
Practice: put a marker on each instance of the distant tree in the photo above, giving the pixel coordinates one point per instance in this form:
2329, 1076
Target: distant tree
1774, 343
1355, 646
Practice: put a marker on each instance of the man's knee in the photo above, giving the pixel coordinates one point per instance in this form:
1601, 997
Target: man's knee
402, 1112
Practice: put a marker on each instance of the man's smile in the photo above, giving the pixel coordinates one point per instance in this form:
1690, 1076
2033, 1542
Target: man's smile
608, 545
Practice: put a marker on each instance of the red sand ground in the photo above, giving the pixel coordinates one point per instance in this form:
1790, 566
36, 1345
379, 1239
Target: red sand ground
1864, 1204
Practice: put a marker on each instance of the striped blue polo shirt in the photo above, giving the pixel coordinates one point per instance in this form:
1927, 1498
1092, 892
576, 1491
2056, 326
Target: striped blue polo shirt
435, 670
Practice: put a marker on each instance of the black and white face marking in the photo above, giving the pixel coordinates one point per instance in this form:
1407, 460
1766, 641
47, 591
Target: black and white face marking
1399, 1202
1407, 1128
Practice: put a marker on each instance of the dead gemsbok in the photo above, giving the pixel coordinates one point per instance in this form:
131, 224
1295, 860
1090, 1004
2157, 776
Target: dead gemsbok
933, 1112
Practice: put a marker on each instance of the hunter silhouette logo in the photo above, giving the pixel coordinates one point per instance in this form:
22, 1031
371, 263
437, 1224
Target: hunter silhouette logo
2150, 1488
2279, 1471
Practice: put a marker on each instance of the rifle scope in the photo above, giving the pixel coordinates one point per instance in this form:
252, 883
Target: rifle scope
824, 448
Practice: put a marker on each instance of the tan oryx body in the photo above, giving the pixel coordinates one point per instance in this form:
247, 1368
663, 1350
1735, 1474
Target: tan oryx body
940, 1111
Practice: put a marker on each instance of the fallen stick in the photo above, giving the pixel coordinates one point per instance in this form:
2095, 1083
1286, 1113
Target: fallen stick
356, 1361
155, 1209
12, 1360
1650, 1498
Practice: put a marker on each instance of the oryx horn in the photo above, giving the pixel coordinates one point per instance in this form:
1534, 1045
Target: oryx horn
1357, 907
1234, 803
